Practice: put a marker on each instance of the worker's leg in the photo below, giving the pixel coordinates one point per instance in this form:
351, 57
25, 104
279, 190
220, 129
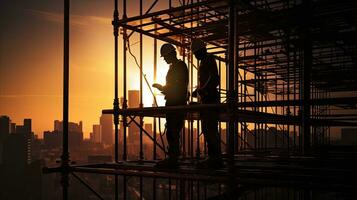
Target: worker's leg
209, 121
174, 124
210, 129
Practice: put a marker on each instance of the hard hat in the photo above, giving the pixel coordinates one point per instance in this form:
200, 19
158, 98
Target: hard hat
166, 49
197, 44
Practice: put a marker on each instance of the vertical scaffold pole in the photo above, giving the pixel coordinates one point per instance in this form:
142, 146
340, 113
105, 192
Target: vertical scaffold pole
154, 119
154, 102
124, 106
307, 45
154, 157
124, 96
231, 93
115, 24
65, 152
236, 75
116, 99
141, 156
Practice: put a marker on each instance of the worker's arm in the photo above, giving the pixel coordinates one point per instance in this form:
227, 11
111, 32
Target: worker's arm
213, 78
178, 80
158, 86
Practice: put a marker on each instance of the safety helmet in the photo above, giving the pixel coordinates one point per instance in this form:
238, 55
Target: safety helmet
166, 49
197, 44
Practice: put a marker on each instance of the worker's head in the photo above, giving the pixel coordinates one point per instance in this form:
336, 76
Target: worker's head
168, 51
198, 47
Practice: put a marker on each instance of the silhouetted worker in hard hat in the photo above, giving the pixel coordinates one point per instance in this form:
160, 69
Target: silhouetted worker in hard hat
208, 80
175, 92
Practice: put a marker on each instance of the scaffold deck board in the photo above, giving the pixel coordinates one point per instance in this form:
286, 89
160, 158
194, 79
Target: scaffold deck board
193, 113
244, 171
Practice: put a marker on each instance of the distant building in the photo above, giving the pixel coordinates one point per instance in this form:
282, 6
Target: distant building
72, 126
349, 136
12, 127
53, 139
273, 138
133, 98
27, 125
57, 125
96, 133
4, 133
4, 126
106, 124
149, 130
134, 131
18, 145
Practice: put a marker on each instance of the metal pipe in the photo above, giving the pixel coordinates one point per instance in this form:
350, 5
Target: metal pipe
236, 75
124, 106
231, 94
87, 186
155, 74
141, 153
65, 152
307, 43
171, 10
116, 99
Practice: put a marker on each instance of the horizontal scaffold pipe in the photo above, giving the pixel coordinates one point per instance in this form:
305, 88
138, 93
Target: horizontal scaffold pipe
259, 173
167, 11
223, 106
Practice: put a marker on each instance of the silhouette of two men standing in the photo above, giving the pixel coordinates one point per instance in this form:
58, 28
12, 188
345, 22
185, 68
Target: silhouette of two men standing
175, 92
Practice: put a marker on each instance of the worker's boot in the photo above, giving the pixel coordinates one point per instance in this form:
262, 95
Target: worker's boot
168, 163
211, 163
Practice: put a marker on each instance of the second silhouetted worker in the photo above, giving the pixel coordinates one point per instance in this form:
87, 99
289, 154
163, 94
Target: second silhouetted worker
208, 80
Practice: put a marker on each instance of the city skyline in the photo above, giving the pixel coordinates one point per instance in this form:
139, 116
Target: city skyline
87, 128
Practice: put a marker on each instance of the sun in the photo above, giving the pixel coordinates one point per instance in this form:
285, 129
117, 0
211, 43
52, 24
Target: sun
148, 93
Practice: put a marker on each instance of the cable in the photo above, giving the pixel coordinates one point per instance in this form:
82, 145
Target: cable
148, 84
144, 75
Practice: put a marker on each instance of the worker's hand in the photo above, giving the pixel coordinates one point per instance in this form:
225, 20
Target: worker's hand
158, 86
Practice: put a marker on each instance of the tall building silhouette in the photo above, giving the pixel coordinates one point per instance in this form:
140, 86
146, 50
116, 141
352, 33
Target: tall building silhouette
133, 102
18, 145
96, 133
27, 125
106, 123
12, 127
133, 98
148, 128
21, 175
57, 125
4, 133
4, 125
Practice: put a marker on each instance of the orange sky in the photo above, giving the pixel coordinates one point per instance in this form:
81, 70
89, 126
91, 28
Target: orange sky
31, 62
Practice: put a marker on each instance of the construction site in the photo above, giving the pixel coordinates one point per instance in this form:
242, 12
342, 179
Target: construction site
288, 81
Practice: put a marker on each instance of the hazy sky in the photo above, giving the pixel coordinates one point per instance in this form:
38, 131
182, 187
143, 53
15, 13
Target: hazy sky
31, 60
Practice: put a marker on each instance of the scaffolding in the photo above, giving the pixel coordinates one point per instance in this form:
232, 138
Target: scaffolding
284, 67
